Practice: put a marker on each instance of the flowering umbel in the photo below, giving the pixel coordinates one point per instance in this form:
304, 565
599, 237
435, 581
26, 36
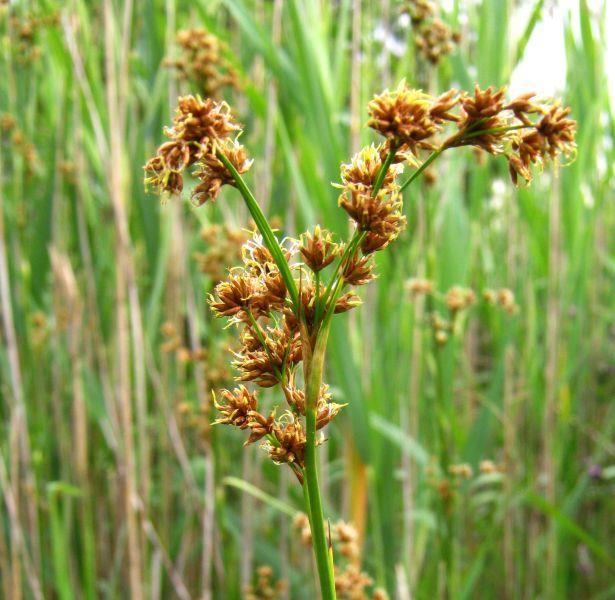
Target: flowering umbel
254, 298
526, 130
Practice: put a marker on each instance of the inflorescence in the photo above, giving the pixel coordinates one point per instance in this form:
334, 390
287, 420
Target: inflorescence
278, 329
283, 296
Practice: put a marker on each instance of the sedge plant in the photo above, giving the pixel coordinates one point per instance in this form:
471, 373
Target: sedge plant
284, 297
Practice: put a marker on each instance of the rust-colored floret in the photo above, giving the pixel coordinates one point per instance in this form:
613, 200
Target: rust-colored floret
213, 174
403, 115
318, 249
236, 407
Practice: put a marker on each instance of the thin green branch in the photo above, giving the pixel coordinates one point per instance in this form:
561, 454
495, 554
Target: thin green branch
265, 229
457, 141
423, 166
384, 168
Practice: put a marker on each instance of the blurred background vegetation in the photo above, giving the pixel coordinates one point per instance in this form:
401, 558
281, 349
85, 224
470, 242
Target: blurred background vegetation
113, 484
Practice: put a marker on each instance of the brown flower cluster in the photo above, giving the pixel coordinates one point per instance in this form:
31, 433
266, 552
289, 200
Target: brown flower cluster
457, 300
449, 483
203, 62
265, 588
503, 298
254, 298
278, 327
378, 216
201, 130
433, 38
418, 286
527, 131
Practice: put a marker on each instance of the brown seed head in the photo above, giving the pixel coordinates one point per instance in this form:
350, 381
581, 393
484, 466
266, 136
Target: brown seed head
361, 172
351, 582
463, 470
481, 112
458, 298
557, 131
506, 299
488, 467
358, 270
418, 286
199, 127
381, 216
318, 249
235, 295
489, 296
347, 302
259, 425
403, 116
522, 106
202, 123
265, 366
236, 407
203, 62
290, 437
213, 174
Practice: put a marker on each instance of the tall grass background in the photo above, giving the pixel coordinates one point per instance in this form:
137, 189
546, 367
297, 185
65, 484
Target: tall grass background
105, 490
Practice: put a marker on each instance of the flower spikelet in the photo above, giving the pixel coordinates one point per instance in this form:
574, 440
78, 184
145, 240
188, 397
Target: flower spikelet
403, 115
236, 407
213, 174
318, 249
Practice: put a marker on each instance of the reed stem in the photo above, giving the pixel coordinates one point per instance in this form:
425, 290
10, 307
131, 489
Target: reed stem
324, 559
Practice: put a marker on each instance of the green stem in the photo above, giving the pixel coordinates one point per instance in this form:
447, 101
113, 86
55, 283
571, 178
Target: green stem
423, 166
348, 251
324, 560
263, 226
473, 134
383, 169
454, 141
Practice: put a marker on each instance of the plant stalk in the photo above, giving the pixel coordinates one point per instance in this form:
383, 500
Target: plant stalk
313, 371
